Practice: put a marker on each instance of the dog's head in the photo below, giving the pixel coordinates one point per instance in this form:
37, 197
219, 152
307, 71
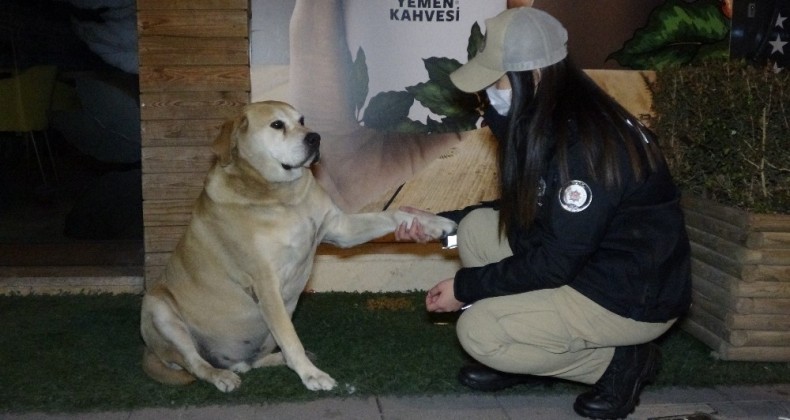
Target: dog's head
272, 138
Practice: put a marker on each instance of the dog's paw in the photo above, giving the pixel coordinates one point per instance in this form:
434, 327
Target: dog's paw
317, 380
438, 226
241, 367
225, 380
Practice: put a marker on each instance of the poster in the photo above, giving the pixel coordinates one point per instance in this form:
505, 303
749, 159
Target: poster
334, 58
371, 76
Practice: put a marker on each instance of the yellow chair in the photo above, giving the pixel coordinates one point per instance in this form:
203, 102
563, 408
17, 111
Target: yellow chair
25, 102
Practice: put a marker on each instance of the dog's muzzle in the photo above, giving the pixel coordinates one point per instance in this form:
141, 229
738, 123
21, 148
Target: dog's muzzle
312, 142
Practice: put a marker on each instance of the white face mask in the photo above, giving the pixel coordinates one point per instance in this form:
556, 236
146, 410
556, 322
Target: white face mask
500, 99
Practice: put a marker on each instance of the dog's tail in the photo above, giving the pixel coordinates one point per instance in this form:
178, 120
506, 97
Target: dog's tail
159, 371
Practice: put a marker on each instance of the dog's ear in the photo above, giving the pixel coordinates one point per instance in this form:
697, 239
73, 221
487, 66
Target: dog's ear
226, 140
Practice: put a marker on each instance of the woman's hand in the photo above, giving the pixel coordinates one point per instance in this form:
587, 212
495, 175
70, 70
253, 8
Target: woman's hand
415, 231
441, 298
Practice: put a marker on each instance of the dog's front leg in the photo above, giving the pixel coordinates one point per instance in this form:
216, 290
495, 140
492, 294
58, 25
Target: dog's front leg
279, 321
345, 230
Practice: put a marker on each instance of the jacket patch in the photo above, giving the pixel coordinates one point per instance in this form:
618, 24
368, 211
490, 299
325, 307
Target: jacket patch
575, 196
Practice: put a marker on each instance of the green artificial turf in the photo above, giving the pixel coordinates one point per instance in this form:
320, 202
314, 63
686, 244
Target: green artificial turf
82, 353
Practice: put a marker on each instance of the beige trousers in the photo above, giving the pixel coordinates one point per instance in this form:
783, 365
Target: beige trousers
551, 332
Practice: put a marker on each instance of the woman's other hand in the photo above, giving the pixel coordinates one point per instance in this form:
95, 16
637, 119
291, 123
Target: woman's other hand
441, 298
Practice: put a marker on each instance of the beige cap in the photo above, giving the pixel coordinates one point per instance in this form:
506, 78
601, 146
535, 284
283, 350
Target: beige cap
518, 39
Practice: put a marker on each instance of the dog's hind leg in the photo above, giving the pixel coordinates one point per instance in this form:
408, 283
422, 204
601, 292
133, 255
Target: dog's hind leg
161, 372
165, 332
267, 356
271, 359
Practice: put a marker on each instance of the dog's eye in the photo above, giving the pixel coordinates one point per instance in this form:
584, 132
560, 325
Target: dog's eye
301, 121
277, 125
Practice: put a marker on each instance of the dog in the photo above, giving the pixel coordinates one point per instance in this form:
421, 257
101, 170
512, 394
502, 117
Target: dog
224, 303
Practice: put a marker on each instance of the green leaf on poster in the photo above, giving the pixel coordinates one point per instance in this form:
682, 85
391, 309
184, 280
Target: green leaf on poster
388, 109
677, 32
439, 94
476, 41
359, 80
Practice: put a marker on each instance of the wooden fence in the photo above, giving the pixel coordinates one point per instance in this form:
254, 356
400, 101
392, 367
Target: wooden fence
194, 74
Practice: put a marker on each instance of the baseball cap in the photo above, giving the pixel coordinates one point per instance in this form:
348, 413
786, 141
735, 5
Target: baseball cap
518, 39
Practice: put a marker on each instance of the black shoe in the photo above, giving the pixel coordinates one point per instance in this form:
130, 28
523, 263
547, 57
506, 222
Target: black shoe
484, 378
616, 393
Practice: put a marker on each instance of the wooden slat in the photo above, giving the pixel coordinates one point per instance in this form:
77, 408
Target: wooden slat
694, 327
200, 132
191, 4
192, 105
177, 159
739, 289
723, 247
171, 50
157, 258
712, 274
193, 23
709, 332
705, 319
715, 226
768, 240
762, 322
770, 305
167, 212
194, 78
766, 273
162, 238
709, 303
762, 353
178, 186
712, 209
769, 222
726, 351
741, 338
763, 289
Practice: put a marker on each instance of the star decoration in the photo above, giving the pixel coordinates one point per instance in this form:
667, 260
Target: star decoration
780, 21
778, 45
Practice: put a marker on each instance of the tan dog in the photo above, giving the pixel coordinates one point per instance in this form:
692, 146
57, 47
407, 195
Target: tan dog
227, 295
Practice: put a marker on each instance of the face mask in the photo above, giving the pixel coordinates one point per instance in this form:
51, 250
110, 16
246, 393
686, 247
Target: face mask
499, 99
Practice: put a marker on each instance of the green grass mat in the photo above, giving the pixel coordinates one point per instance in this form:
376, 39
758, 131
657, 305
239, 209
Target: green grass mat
82, 353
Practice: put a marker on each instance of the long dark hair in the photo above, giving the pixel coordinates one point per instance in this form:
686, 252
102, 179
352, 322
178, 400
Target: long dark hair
566, 106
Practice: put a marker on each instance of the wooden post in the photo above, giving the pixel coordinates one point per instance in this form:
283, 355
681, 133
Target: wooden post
194, 74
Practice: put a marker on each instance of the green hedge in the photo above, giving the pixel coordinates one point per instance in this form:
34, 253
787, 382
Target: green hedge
725, 129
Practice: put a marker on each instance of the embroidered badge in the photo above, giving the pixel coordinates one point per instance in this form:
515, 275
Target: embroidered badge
575, 196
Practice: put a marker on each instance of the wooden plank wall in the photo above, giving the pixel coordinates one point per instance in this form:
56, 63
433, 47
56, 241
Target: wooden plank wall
194, 75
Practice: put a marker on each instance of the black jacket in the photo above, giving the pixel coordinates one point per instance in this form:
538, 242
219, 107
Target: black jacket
625, 247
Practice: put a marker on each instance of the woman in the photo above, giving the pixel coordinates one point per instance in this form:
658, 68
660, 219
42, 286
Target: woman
584, 260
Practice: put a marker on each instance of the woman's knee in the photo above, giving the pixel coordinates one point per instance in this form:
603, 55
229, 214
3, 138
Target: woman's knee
476, 329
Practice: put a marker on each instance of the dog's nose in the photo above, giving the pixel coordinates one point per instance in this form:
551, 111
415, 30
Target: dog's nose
312, 139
